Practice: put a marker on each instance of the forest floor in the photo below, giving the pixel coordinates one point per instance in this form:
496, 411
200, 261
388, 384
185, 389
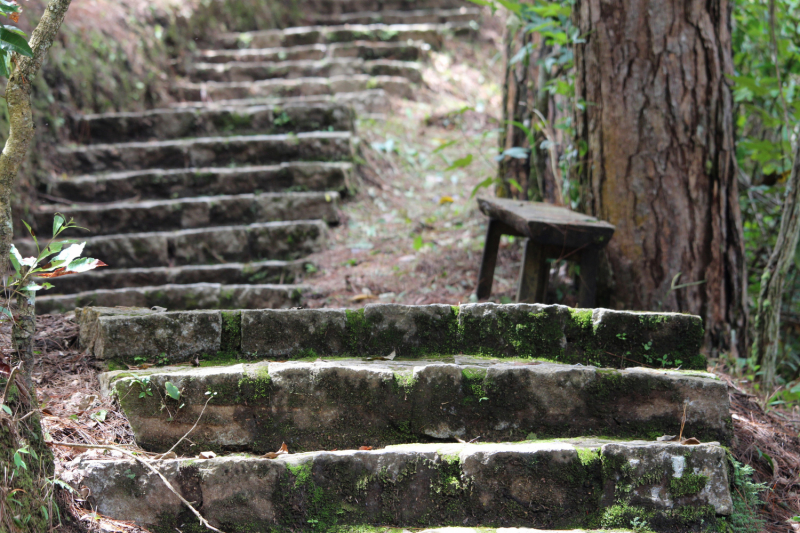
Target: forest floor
410, 234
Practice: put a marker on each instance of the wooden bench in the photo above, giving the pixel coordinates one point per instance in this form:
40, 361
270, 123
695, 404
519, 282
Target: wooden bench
551, 232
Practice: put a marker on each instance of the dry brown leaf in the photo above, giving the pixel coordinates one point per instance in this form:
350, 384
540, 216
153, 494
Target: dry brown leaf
272, 455
362, 297
365, 448
143, 366
207, 455
690, 442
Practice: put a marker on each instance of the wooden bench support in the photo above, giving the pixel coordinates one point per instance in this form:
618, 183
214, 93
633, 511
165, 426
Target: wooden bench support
550, 232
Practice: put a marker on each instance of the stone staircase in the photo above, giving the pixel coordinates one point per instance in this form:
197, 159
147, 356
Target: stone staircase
215, 201
476, 416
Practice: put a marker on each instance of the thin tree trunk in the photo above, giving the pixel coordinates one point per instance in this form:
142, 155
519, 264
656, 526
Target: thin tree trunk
768, 314
660, 164
21, 132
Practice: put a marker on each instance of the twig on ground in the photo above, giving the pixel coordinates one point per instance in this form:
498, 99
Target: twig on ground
210, 397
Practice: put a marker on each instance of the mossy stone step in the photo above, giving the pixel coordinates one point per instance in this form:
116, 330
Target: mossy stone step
599, 337
330, 7
159, 183
207, 152
210, 121
402, 51
554, 485
362, 101
417, 16
264, 70
431, 34
200, 212
178, 297
259, 272
224, 91
235, 244
350, 403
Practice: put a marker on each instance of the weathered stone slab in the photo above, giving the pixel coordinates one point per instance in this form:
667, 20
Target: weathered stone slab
599, 337
294, 333
236, 244
405, 329
528, 331
262, 272
180, 297
155, 184
473, 485
340, 66
171, 336
393, 85
351, 403
208, 152
211, 121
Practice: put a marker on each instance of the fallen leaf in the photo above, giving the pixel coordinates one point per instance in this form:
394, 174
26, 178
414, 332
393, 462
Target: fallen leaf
690, 442
362, 297
365, 448
446, 200
462, 441
391, 356
143, 366
5, 370
272, 455
667, 438
207, 455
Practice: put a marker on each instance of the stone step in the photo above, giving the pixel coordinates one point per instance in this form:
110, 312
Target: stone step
401, 51
180, 297
211, 120
260, 272
153, 184
299, 87
345, 66
366, 101
350, 403
332, 7
417, 16
553, 485
228, 244
200, 212
599, 337
432, 34
207, 152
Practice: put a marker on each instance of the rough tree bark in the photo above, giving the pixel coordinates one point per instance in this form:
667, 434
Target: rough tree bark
660, 163
766, 329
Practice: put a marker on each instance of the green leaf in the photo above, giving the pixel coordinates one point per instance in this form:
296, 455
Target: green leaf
58, 221
68, 255
460, 163
18, 461
16, 259
99, 416
6, 409
172, 390
443, 146
482, 185
4, 70
417, 245
84, 264
14, 42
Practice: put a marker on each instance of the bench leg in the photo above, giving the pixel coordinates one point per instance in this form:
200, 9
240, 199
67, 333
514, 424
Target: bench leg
589, 259
534, 273
486, 275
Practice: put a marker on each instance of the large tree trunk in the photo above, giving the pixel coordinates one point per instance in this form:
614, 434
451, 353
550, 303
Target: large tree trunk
660, 163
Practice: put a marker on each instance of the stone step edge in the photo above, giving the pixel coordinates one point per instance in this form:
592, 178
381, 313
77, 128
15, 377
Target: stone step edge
362, 29
244, 65
597, 337
282, 100
326, 48
191, 295
285, 137
380, 403
442, 12
673, 487
322, 80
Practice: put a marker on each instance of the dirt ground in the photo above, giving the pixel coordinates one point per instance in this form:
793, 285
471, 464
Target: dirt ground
412, 233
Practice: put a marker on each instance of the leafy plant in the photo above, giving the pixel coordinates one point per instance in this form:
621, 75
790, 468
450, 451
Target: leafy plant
58, 258
12, 39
